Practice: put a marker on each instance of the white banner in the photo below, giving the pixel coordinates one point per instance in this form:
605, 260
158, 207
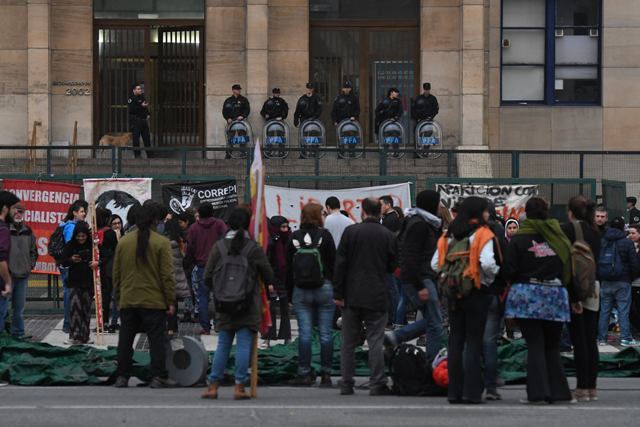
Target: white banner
118, 194
508, 199
288, 202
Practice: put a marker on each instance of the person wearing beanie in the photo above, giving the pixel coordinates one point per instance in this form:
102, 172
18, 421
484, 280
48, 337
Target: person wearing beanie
8, 202
416, 245
615, 283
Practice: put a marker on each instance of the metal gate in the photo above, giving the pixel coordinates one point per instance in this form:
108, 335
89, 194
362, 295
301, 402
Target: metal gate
614, 198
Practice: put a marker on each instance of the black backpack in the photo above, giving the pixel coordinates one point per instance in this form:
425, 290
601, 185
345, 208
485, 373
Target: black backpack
411, 373
308, 272
232, 283
55, 247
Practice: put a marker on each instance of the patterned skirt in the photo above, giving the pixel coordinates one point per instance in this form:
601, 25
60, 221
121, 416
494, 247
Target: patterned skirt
542, 302
80, 315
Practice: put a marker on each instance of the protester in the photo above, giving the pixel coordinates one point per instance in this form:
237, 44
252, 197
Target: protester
107, 242
115, 222
201, 237
77, 257
185, 221
311, 257
602, 219
24, 255
416, 246
511, 228
366, 256
8, 202
389, 218
117, 225
279, 235
335, 221
618, 266
584, 312
245, 323
468, 313
178, 248
144, 287
634, 313
538, 263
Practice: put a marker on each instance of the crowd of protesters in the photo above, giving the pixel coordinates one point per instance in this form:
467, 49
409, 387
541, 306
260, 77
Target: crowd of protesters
472, 276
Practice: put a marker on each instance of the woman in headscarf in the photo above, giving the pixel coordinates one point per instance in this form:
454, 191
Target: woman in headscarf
511, 227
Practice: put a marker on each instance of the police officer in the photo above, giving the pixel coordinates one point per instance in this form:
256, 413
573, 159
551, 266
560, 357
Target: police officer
236, 107
389, 108
346, 106
275, 107
138, 118
309, 106
425, 106
633, 212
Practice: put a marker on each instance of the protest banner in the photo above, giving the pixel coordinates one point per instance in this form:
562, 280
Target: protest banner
117, 194
45, 207
509, 199
223, 195
288, 202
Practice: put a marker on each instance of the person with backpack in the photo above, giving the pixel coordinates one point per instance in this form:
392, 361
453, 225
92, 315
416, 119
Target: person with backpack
465, 259
416, 245
618, 266
232, 272
366, 255
584, 295
311, 256
538, 264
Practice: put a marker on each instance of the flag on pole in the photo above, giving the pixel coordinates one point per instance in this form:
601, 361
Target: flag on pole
258, 227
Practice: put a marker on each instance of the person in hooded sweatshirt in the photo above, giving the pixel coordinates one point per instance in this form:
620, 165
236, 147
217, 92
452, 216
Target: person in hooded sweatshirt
201, 237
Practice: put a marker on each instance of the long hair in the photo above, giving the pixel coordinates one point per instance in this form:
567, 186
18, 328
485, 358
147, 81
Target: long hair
469, 217
583, 209
145, 219
103, 217
239, 222
172, 230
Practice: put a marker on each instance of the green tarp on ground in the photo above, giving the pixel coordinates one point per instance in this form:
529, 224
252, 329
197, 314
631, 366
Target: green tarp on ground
27, 363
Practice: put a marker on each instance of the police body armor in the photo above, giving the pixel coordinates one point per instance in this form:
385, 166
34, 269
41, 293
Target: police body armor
428, 138
239, 139
276, 139
392, 138
349, 137
312, 138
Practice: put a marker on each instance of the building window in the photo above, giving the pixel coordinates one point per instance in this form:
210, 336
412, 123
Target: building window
322, 10
148, 9
551, 51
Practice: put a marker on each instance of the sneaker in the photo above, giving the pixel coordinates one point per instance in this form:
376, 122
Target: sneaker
3, 383
346, 389
629, 343
581, 395
303, 381
492, 395
69, 341
325, 381
593, 394
157, 382
121, 382
382, 390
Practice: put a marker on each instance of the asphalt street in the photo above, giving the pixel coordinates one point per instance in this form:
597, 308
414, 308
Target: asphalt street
619, 405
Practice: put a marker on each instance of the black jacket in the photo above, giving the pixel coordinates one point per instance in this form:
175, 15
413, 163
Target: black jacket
274, 108
327, 251
417, 243
279, 277
235, 107
528, 257
345, 107
388, 109
107, 253
634, 216
307, 108
424, 107
391, 221
366, 256
136, 110
627, 252
80, 273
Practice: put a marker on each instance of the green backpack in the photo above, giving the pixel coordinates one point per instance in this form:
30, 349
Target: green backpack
453, 284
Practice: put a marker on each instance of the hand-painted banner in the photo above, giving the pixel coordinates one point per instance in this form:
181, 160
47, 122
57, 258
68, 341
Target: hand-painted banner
46, 204
508, 199
223, 195
288, 202
117, 194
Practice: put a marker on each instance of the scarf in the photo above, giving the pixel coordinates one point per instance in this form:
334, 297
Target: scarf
483, 235
551, 232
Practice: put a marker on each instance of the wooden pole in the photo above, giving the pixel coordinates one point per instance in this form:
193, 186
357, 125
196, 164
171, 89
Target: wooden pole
254, 367
97, 286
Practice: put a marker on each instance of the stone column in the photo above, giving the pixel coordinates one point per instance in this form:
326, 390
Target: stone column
257, 88
225, 61
38, 66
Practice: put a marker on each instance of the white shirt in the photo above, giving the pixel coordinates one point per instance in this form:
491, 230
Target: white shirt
336, 223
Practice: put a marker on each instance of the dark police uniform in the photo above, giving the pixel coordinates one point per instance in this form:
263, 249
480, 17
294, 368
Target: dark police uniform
345, 106
424, 107
235, 107
138, 123
307, 108
634, 216
274, 108
388, 109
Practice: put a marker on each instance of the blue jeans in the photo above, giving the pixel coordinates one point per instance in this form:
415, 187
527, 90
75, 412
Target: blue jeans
401, 310
394, 297
431, 323
18, 299
66, 297
490, 343
306, 303
197, 277
243, 354
616, 294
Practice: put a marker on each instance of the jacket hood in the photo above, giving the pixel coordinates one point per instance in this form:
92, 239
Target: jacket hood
613, 234
427, 216
207, 222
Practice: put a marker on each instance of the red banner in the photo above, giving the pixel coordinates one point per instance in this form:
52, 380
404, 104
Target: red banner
45, 206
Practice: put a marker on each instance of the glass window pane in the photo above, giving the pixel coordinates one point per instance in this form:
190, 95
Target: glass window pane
523, 13
585, 73
576, 84
161, 9
523, 83
525, 47
576, 50
364, 9
576, 13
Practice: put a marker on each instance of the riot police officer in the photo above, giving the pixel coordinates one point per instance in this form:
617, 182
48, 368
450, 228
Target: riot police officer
425, 106
275, 107
346, 106
309, 106
236, 107
389, 108
138, 118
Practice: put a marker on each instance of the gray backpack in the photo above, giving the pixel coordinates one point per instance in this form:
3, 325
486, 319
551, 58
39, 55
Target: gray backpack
232, 283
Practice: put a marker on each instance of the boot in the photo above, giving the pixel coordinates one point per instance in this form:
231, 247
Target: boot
239, 393
212, 391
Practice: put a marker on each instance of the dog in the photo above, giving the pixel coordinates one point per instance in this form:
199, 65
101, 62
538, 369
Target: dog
122, 140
